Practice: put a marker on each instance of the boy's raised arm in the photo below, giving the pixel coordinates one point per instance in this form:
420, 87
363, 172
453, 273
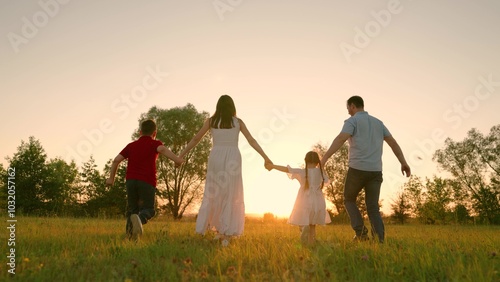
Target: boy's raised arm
169, 154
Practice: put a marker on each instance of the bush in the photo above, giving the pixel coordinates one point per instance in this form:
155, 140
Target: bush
269, 217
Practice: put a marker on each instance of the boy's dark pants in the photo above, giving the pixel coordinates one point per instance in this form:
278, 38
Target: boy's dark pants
140, 201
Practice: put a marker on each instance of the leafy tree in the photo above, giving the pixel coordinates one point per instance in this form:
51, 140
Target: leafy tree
438, 197
60, 188
99, 199
401, 208
474, 164
180, 187
413, 190
461, 213
114, 199
92, 187
43, 187
430, 203
489, 151
29, 164
3, 188
92, 183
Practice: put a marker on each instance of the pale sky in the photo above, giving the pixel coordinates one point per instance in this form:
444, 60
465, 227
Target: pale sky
76, 75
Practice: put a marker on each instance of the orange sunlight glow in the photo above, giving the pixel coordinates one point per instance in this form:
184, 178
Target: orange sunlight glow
274, 193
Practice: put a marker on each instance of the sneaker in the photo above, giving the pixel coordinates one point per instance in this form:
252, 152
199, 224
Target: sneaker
136, 227
225, 242
363, 236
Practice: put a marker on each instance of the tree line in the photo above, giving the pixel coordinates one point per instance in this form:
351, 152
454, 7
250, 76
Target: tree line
55, 187
471, 192
473, 188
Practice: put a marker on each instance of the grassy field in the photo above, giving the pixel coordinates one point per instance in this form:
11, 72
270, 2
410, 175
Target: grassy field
65, 249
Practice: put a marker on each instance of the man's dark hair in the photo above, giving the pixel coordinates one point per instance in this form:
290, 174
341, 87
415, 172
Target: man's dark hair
357, 101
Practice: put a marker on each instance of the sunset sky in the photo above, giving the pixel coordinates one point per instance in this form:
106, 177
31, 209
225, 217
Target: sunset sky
76, 75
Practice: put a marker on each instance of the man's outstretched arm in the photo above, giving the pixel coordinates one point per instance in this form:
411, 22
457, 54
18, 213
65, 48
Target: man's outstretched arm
405, 168
336, 144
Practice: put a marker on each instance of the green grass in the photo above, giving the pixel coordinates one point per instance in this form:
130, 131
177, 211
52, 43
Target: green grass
65, 249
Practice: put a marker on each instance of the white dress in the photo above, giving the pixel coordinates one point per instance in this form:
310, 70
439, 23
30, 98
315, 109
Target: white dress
310, 206
223, 208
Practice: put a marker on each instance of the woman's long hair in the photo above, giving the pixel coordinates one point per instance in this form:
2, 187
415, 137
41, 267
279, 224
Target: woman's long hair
313, 157
224, 113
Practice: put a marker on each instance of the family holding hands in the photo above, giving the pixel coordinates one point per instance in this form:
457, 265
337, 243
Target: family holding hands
223, 209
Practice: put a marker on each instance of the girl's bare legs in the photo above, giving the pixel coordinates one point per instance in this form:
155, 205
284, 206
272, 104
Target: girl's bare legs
312, 234
223, 239
304, 236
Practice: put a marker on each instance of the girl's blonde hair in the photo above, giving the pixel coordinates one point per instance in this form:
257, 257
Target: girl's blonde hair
313, 157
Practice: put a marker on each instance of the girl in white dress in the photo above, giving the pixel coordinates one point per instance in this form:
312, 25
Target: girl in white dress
223, 208
310, 207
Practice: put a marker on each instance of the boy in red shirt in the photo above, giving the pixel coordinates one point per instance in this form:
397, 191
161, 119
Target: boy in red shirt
141, 176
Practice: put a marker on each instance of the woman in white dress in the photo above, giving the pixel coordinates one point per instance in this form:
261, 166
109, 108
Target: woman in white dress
223, 208
310, 207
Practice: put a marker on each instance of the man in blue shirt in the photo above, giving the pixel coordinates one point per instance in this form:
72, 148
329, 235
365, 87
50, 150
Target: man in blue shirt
366, 136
